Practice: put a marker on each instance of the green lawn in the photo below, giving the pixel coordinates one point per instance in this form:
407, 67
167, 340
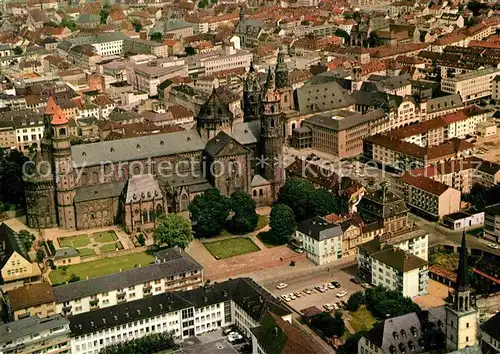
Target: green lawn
264, 237
476, 232
74, 241
85, 252
263, 221
110, 247
231, 247
362, 320
101, 267
104, 237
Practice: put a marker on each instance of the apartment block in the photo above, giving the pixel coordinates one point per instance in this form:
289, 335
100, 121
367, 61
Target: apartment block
388, 150
321, 240
173, 270
35, 299
393, 268
144, 46
36, 335
209, 63
440, 106
240, 302
340, 133
471, 86
492, 223
428, 197
105, 44
147, 77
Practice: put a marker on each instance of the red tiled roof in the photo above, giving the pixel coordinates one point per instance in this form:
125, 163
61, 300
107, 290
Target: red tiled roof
424, 183
59, 118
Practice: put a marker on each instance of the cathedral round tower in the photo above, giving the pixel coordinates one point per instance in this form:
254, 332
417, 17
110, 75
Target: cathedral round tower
252, 95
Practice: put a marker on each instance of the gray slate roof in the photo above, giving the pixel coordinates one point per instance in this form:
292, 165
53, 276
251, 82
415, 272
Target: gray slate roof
319, 229
322, 97
247, 133
137, 148
142, 187
397, 331
99, 191
444, 103
27, 326
124, 279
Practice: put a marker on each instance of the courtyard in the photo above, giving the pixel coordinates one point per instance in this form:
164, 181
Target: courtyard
92, 244
100, 267
231, 247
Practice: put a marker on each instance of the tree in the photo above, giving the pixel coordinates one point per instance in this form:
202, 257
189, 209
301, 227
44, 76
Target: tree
18, 50
383, 303
40, 255
296, 193
73, 278
138, 25
190, 50
209, 211
245, 218
11, 178
156, 36
282, 222
343, 34
69, 24
104, 15
202, 4
173, 230
141, 240
328, 325
323, 202
355, 301
151, 343
27, 239
476, 7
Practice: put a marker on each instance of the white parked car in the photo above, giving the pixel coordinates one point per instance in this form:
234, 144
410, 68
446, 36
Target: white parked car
330, 286
292, 296
285, 297
341, 293
335, 306
365, 285
234, 336
492, 245
328, 307
281, 286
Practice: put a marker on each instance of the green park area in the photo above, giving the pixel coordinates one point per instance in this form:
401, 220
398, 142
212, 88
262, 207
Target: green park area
362, 320
231, 247
100, 267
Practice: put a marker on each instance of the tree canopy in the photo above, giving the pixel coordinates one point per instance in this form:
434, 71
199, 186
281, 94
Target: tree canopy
138, 26
209, 211
343, 34
152, 343
11, 178
104, 15
476, 7
355, 301
245, 218
173, 230
282, 223
69, 24
190, 50
27, 239
384, 303
328, 325
156, 36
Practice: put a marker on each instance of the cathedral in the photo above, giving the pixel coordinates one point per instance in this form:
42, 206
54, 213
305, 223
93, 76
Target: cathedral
133, 181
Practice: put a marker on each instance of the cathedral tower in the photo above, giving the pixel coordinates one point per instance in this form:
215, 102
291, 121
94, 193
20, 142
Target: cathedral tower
63, 170
271, 138
252, 95
214, 116
461, 316
281, 69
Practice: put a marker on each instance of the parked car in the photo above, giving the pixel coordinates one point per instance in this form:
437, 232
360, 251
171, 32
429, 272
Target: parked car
354, 280
328, 307
341, 293
492, 245
299, 250
330, 286
307, 291
336, 284
234, 336
285, 297
298, 294
281, 286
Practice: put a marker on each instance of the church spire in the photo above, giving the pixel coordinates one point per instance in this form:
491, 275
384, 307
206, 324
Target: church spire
463, 268
270, 81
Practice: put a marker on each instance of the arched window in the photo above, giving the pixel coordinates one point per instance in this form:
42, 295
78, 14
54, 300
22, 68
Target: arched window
137, 170
83, 180
62, 131
95, 177
272, 123
254, 192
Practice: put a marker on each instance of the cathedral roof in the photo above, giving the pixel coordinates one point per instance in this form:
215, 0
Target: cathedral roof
142, 188
216, 146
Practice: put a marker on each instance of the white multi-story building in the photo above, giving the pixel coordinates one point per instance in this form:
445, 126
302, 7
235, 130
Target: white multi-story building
105, 44
393, 268
48, 335
471, 86
240, 302
492, 223
146, 78
212, 62
29, 132
173, 270
320, 239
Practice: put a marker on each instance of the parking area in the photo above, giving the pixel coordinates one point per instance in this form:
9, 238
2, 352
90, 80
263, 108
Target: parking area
317, 297
216, 342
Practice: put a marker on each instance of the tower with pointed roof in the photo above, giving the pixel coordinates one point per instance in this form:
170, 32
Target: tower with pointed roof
281, 69
252, 95
461, 315
63, 169
271, 139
